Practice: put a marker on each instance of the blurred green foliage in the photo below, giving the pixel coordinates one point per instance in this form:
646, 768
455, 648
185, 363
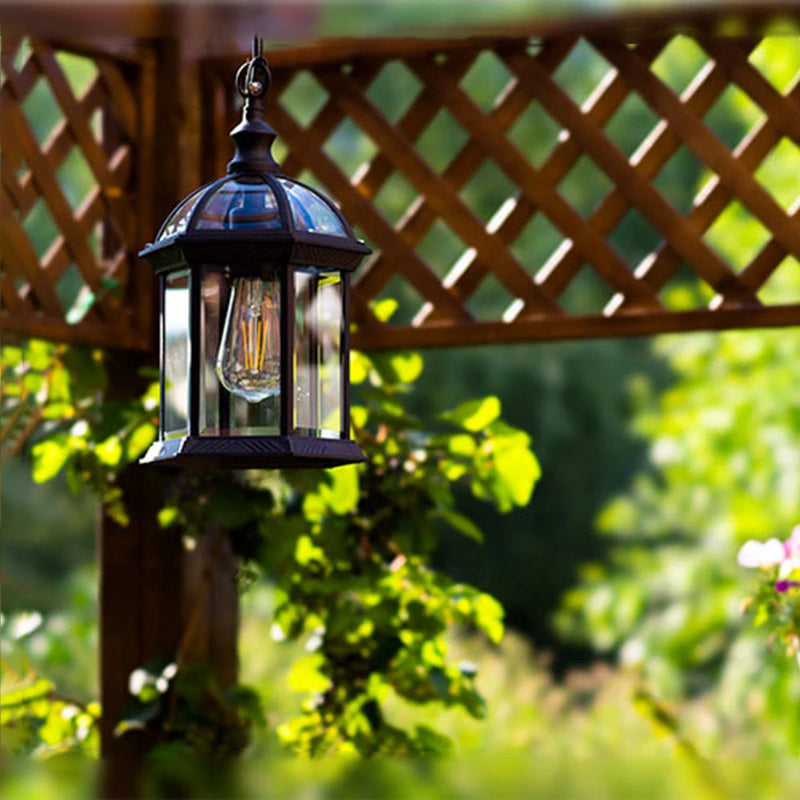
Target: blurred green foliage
349, 551
724, 467
715, 461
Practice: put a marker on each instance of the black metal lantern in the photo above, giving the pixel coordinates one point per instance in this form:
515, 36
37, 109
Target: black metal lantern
254, 343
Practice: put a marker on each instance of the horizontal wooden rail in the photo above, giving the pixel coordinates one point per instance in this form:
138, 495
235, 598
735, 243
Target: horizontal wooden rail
515, 184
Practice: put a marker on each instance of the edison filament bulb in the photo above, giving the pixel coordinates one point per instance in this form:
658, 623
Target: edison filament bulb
248, 361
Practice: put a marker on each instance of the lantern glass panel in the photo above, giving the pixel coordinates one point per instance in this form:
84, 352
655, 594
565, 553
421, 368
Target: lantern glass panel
239, 204
238, 343
214, 416
318, 353
310, 212
175, 344
178, 220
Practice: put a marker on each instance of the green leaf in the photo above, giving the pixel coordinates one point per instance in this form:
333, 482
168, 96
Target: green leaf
27, 692
407, 366
305, 675
461, 523
489, 616
384, 309
168, 516
359, 416
39, 354
518, 468
475, 415
359, 367
306, 551
58, 411
49, 457
140, 439
462, 444
431, 743
344, 489
109, 451
440, 683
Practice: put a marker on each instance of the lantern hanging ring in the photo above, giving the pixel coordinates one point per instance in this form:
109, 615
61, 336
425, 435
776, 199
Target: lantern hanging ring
253, 78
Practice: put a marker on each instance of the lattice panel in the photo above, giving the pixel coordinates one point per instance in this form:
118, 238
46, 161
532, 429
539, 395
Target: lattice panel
70, 218
516, 189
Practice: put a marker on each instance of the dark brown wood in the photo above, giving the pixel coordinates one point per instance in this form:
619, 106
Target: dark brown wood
398, 337
140, 589
127, 178
635, 186
150, 588
358, 208
211, 606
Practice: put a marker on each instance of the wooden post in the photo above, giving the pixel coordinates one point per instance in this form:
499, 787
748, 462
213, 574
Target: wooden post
140, 600
150, 586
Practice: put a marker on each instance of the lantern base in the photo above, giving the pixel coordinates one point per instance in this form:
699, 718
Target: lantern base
253, 452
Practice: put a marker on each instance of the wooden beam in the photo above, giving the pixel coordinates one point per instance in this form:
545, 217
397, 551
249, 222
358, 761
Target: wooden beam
596, 326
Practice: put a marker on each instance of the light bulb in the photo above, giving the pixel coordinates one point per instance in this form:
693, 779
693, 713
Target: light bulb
249, 358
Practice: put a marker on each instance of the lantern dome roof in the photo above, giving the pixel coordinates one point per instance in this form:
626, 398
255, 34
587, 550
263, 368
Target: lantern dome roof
254, 202
255, 213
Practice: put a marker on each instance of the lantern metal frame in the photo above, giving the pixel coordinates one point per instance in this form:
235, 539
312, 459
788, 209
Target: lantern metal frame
259, 252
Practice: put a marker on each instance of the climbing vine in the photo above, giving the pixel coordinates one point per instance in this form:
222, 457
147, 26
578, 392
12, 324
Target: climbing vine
348, 550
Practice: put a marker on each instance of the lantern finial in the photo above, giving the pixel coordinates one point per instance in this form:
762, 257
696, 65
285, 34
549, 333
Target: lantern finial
252, 137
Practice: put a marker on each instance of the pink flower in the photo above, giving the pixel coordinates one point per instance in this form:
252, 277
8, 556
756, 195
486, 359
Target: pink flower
792, 544
761, 554
784, 586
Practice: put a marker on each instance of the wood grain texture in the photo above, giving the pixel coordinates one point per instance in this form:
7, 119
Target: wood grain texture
450, 76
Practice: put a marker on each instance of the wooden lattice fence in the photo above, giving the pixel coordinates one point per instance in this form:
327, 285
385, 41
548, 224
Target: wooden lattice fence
501, 182
75, 139
509, 274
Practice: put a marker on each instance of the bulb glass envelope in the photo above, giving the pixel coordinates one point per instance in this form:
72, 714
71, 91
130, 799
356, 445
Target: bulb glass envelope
254, 276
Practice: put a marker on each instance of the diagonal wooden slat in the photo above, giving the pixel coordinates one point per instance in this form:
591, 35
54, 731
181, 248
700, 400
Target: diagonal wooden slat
439, 194
732, 57
654, 152
357, 207
714, 197
639, 192
51, 192
591, 246
707, 147
420, 217
600, 106
331, 115
121, 212
18, 250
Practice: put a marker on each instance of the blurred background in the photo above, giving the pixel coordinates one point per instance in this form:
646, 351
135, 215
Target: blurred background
620, 583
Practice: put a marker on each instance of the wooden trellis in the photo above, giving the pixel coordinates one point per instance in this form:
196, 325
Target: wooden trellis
484, 241
637, 297
74, 138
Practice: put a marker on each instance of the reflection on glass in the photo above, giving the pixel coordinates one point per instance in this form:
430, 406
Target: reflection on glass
180, 217
176, 354
310, 212
239, 203
317, 361
255, 419
212, 296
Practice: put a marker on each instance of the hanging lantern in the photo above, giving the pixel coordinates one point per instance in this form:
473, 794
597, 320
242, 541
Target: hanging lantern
254, 273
